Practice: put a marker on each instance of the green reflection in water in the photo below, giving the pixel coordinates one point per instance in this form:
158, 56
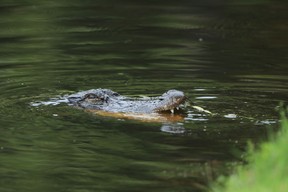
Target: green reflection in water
234, 55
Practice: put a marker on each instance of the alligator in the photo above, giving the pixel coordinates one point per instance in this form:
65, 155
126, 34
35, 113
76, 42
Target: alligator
106, 102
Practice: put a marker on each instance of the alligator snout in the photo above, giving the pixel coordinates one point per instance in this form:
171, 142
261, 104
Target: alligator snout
174, 94
171, 100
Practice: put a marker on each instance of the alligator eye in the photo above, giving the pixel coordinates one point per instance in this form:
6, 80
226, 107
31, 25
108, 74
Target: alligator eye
90, 96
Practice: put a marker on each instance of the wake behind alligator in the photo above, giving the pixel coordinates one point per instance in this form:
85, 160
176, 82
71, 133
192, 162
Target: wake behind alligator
106, 102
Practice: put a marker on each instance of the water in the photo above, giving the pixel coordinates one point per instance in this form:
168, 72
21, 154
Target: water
229, 58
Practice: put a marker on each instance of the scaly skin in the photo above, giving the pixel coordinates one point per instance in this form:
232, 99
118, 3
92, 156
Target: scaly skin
111, 102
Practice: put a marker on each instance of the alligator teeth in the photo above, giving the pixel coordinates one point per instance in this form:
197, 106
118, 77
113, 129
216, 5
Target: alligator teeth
172, 110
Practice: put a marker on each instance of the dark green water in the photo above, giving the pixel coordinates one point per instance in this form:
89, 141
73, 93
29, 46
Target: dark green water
229, 58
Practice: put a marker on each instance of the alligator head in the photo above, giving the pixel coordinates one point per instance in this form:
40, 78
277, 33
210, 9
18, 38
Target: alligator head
110, 101
170, 100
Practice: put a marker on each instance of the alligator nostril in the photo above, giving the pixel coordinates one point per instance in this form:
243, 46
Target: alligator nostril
115, 94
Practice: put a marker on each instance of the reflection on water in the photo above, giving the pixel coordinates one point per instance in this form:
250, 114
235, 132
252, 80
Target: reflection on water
229, 58
175, 128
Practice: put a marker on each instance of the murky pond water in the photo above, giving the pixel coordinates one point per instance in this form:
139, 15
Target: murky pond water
230, 59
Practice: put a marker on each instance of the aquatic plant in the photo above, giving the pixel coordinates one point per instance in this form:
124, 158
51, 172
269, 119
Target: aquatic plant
267, 169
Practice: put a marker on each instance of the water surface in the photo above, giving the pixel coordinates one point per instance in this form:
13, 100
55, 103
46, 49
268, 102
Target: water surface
229, 58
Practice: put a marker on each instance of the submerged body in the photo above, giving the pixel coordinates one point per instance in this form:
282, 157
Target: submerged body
109, 103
